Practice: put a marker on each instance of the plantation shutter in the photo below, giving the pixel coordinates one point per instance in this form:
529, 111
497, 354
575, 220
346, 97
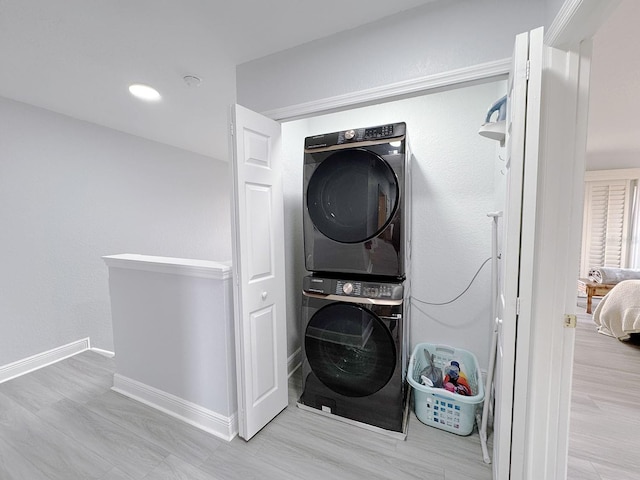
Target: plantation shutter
606, 226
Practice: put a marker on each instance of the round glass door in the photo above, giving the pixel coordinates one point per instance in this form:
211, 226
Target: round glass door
352, 196
350, 350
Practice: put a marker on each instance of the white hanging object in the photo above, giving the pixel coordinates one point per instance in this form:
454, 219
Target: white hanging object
482, 419
496, 129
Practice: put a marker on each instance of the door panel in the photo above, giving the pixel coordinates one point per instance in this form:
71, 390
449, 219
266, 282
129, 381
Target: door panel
258, 265
510, 249
264, 364
258, 201
515, 290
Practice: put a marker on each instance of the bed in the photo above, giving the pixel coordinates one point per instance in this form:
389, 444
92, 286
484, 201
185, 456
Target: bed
618, 313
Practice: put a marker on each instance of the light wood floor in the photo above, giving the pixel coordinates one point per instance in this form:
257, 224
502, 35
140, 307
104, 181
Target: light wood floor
64, 422
604, 439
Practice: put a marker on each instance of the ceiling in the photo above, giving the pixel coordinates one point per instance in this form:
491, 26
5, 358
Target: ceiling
78, 58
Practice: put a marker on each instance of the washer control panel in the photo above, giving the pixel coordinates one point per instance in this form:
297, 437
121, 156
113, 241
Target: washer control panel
353, 288
353, 135
348, 288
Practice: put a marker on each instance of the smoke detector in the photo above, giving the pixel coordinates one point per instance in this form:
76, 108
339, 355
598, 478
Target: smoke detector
192, 80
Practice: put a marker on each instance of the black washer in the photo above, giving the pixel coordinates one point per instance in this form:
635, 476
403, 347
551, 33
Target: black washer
350, 350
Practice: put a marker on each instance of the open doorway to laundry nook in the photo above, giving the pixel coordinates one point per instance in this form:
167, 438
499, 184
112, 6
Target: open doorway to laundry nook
457, 178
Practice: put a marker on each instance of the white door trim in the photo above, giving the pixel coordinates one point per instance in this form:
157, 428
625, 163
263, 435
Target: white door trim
480, 73
577, 20
541, 419
583, 58
549, 409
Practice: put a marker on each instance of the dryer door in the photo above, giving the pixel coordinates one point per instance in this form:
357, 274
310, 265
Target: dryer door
350, 349
352, 195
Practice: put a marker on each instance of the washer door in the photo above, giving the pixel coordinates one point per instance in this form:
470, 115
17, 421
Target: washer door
350, 350
352, 195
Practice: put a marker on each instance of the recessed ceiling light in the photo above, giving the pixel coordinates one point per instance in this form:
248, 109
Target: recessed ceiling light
144, 92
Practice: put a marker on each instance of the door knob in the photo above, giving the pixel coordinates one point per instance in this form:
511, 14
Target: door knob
264, 295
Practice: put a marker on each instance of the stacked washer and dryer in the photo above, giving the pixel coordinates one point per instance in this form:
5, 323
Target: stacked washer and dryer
355, 303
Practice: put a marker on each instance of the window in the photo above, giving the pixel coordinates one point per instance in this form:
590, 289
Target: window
608, 219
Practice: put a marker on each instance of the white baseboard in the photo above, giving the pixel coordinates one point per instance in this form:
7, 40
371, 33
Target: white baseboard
223, 427
39, 360
106, 353
294, 361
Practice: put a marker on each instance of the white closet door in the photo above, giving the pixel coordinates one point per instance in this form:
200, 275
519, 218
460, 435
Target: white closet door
258, 266
523, 121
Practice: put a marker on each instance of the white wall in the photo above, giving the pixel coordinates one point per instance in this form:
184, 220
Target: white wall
435, 38
551, 10
174, 332
454, 186
71, 192
293, 134
614, 103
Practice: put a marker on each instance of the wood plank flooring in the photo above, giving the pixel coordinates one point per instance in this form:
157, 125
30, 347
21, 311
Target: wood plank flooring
63, 422
604, 437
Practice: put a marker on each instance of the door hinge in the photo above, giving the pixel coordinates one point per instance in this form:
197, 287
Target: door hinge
528, 70
518, 306
232, 130
570, 321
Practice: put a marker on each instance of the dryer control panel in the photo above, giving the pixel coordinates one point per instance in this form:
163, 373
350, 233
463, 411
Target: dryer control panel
355, 135
353, 288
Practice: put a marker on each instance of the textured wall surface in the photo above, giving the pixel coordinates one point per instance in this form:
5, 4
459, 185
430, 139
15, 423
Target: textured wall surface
435, 38
456, 181
71, 192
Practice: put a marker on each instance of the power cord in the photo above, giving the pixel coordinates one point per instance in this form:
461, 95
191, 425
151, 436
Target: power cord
463, 292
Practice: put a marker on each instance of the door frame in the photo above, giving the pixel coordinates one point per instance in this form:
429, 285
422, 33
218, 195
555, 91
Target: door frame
565, 105
545, 442
539, 449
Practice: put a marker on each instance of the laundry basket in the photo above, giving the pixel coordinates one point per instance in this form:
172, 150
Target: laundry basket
438, 407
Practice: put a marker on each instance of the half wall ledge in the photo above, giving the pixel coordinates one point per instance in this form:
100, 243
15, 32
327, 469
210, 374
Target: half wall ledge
176, 266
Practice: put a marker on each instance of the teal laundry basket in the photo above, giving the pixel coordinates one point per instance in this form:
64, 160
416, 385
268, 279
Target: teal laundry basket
438, 407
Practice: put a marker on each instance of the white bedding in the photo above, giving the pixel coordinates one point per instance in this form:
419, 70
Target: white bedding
618, 313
